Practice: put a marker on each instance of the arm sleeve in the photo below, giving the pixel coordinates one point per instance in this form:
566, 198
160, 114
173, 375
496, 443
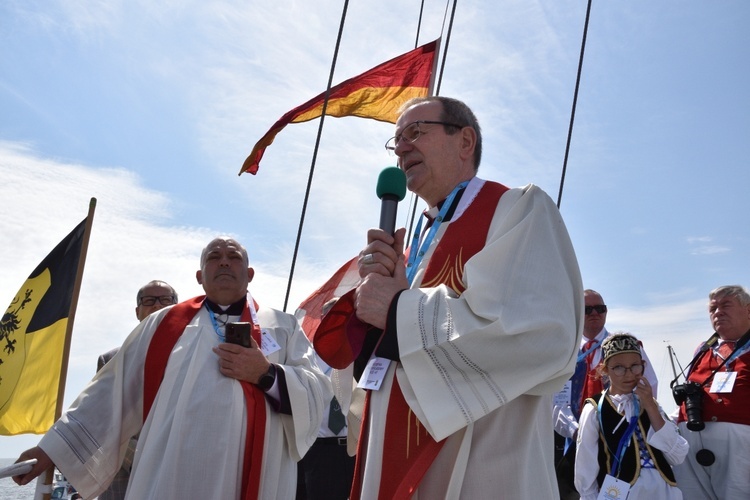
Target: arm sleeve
308, 390
89, 441
565, 422
669, 441
388, 347
587, 451
514, 330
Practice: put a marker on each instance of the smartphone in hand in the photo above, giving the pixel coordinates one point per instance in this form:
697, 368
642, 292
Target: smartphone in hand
238, 333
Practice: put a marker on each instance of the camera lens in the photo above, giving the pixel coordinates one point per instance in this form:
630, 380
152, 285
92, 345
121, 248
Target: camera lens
691, 394
696, 425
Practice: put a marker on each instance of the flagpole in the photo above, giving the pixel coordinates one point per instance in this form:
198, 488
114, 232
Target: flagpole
315, 155
46, 485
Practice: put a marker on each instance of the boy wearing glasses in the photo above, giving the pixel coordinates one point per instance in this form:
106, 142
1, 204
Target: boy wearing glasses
626, 443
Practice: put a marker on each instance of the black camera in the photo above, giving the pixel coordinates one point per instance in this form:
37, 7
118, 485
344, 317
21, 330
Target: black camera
691, 393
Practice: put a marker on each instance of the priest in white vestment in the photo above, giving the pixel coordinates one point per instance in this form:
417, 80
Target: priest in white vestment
221, 420
480, 325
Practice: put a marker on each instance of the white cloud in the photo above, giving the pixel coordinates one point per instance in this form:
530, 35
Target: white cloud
158, 104
710, 250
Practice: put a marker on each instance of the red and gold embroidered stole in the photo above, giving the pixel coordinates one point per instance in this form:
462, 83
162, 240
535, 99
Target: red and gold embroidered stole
408, 449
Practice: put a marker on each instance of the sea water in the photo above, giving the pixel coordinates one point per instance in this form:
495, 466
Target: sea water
10, 490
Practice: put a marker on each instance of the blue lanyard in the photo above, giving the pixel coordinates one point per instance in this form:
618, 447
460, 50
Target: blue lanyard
737, 353
215, 323
625, 440
583, 355
415, 258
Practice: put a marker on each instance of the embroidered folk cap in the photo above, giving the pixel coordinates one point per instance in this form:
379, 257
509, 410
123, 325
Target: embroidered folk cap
619, 343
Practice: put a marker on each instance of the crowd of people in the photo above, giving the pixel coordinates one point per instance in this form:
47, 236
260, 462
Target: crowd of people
486, 369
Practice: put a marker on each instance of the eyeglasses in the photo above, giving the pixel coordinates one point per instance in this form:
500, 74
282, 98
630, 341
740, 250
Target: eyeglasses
600, 308
412, 132
150, 300
620, 370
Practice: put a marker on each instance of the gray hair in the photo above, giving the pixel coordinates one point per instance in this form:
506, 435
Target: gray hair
454, 111
730, 291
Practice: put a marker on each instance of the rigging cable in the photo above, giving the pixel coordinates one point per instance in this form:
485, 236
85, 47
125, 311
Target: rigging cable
575, 100
315, 154
414, 199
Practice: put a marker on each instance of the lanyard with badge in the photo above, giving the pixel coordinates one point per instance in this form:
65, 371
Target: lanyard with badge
723, 382
268, 344
612, 487
374, 373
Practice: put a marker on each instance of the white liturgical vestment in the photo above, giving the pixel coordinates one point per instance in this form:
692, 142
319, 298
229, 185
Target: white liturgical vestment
479, 369
192, 442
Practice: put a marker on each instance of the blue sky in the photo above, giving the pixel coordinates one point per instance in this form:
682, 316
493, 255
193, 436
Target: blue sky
152, 108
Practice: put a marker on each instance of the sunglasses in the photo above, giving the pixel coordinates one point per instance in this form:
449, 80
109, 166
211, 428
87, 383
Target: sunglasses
600, 308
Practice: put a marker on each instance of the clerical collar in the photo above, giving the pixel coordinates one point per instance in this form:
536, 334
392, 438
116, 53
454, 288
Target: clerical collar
232, 310
434, 211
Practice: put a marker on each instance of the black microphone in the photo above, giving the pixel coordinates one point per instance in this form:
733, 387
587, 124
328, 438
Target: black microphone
391, 189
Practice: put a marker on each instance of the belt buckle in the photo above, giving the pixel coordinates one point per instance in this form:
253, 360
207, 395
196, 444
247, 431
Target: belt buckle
341, 441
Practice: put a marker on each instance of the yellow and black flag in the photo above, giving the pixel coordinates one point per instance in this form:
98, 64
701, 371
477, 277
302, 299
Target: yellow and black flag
32, 340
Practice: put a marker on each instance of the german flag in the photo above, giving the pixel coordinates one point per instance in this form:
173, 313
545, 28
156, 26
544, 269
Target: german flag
377, 94
32, 338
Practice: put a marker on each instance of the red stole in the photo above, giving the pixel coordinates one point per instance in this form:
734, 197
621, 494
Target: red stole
165, 337
408, 449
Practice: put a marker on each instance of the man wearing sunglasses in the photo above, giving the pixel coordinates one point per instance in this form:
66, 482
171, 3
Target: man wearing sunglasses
151, 297
584, 384
476, 325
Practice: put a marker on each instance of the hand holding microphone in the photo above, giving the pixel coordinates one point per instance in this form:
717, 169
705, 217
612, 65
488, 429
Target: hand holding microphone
385, 245
381, 263
391, 189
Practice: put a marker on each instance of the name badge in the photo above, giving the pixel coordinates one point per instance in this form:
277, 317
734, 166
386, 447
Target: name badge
723, 382
372, 377
268, 344
562, 398
613, 489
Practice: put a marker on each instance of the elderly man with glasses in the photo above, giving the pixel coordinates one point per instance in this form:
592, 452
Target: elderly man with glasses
462, 340
584, 384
